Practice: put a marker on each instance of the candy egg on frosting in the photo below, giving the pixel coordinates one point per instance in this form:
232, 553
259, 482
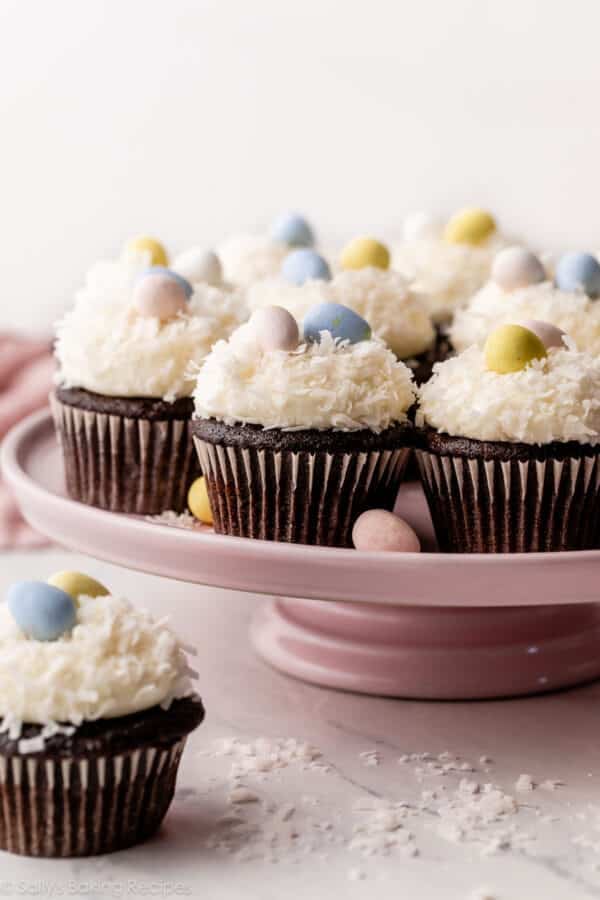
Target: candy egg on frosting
161, 293
363, 252
276, 328
292, 229
511, 348
158, 254
469, 226
77, 585
197, 265
342, 323
516, 267
379, 529
578, 272
304, 265
42, 612
198, 502
549, 335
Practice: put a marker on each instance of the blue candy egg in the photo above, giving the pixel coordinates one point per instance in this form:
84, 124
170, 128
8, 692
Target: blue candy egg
42, 612
292, 229
169, 273
301, 265
578, 272
340, 321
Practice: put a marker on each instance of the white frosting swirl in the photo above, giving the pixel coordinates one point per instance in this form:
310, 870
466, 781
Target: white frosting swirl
105, 346
574, 313
116, 660
326, 385
247, 258
383, 298
552, 399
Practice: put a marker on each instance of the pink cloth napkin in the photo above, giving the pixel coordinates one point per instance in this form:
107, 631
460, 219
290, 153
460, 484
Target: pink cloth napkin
26, 368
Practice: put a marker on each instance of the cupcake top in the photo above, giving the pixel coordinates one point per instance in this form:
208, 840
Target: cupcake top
247, 258
528, 385
447, 262
339, 377
70, 659
134, 330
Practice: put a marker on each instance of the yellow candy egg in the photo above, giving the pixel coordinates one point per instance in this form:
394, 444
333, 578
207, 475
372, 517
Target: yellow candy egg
363, 252
76, 584
198, 501
158, 254
511, 348
469, 226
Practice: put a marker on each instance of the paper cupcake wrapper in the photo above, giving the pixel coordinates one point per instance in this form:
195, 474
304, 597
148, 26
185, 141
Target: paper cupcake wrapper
516, 506
87, 806
124, 464
302, 497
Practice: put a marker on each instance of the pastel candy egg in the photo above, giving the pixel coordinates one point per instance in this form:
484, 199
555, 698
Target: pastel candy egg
77, 585
378, 529
511, 348
161, 294
198, 501
276, 328
363, 252
149, 245
342, 323
516, 267
42, 612
578, 272
303, 265
421, 225
549, 335
197, 265
469, 226
292, 229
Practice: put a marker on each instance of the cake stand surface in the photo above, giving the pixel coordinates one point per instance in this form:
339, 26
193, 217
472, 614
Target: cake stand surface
426, 625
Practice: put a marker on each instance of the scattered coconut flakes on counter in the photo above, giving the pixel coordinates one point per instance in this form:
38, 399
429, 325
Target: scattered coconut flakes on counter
176, 520
524, 783
370, 758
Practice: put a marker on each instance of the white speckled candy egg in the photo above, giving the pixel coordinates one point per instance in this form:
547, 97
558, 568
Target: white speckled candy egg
549, 335
516, 267
161, 294
379, 529
276, 328
199, 265
421, 225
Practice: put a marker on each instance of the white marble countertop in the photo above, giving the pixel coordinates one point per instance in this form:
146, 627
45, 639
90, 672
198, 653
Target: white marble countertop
360, 813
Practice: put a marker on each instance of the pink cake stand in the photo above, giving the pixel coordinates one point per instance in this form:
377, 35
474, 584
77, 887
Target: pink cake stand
426, 625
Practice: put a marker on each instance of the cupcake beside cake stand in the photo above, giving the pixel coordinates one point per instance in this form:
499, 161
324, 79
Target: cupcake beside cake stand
426, 625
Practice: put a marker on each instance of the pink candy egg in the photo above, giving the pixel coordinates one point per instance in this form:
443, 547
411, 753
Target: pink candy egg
276, 328
159, 296
549, 335
515, 267
378, 529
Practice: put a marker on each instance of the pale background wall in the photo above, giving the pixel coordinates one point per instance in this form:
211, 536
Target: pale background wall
189, 118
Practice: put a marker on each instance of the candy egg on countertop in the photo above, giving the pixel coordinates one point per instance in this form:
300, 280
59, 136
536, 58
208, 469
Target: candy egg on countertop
363, 252
292, 229
161, 294
516, 267
42, 612
303, 265
158, 254
342, 323
77, 585
578, 272
198, 502
197, 265
421, 225
511, 348
276, 328
379, 529
469, 226
549, 335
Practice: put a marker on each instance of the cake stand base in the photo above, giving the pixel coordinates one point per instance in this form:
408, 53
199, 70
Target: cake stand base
442, 653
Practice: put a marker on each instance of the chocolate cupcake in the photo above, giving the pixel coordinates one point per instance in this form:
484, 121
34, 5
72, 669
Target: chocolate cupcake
508, 445
296, 440
96, 705
122, 407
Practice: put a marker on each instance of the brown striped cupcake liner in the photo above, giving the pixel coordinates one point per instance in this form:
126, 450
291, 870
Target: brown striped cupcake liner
305, 486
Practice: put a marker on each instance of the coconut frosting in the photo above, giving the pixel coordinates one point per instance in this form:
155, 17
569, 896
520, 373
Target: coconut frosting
116, 660
323, 385
247, 258
103, 345
573, 312
551, 399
